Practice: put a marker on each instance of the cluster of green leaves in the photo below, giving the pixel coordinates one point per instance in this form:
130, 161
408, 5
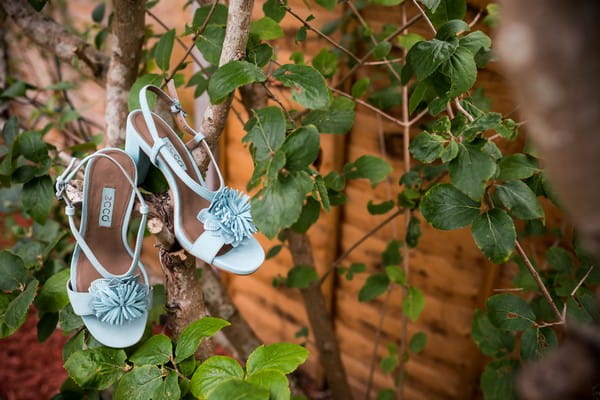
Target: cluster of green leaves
159, 369
510, 322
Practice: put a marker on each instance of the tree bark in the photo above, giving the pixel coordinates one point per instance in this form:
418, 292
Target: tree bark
551, 51
49, 35
126, 48
234, 48
321, 323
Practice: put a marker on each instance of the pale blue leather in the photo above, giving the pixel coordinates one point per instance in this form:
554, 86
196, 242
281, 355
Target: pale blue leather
115, 309
227, 220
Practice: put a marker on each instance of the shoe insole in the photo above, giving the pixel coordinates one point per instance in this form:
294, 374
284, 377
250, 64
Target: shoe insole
190, 203
108, 195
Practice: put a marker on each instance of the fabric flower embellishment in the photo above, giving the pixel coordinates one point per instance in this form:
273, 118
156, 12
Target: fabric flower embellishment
118, 300
229, 216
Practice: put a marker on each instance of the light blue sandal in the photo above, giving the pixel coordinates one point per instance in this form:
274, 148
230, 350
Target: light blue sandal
215, 226
108, 286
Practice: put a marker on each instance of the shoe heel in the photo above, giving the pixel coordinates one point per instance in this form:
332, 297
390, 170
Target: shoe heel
134, 149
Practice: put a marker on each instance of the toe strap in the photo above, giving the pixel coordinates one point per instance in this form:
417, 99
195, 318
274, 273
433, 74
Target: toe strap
80, 301
207, 246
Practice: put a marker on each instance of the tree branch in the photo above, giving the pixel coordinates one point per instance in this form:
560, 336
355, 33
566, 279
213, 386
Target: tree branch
126, 47
49, 35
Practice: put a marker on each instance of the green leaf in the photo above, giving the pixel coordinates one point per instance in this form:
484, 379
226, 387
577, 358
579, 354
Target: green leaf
432, 5
360, 87
391, 255
46, 325
283, 357
484, 122
279, 205
517, 166
498, 380
163, 50
491, 340
396, 274
155, 351
413, 303
509, 312
374, 286
237, 389
133, 101
16, 311
168, 389
426, 147
300, 37
386, 394
387, 3
219, 16
445, 207
230, 77
338, 118
328, 4
140, 383
325, 62
190, 338
559, 259
212, 372
450, 29
495, 235
266, 132
274, 381
12, 271
68, 320
381, 50
53, 296
260, 55
31, 146
373, 168
381, 208
10, 130
274, 10
36, 197
461, 70
308, 85
413, 232
520, 200
266, 29
449, 152
409, 40
447, 10
310, 215
471, 169
426, 57
535, 342
210, 43
418, 342
301, 148
386, 98
301, 277
475, 41
74, 344
98, 12
96, 368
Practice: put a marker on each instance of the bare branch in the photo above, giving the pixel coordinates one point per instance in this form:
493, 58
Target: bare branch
47, 34
126, 48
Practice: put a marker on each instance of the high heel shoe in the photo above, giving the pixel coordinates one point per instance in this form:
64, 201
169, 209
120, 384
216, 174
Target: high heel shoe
108, 286
215, 226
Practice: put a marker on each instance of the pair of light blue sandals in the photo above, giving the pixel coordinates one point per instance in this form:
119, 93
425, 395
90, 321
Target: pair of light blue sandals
109, 286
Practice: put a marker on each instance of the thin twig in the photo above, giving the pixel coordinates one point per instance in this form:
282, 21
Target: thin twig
472, 23
382, 314
425, 16
370, 107
581, 281
387, 61
196, 35
538, 281
462, 110
360, 241
179, 41
272, 96
318, 32
364, 58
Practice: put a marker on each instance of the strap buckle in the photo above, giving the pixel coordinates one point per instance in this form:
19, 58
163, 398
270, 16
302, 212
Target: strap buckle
176, 108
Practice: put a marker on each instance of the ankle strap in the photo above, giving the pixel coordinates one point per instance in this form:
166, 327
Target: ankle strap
61, 183
180, 115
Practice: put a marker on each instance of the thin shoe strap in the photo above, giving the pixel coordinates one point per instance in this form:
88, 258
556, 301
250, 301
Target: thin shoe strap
180, 115
61, 183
